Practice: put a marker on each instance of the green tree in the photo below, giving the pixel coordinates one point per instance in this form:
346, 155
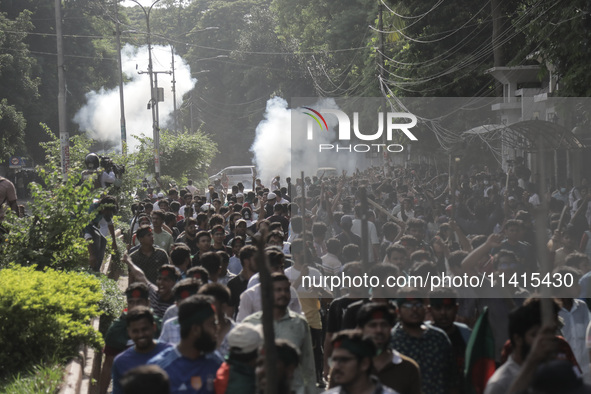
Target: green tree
558, 34
12, 124
16, 82
181, 154
90, 61
51, 235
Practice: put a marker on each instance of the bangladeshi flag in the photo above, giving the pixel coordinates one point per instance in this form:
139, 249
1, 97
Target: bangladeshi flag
480, 356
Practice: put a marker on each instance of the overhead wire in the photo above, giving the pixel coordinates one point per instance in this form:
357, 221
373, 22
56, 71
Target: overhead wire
479, 54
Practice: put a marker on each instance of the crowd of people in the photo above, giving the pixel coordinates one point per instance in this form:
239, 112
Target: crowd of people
195, 287
194, 314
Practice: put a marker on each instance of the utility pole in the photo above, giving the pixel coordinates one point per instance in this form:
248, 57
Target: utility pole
153, 99
61, 95
174, 113
121, 100
382, 66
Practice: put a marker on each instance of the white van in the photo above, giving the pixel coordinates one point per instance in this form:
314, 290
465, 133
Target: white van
235, 175
328, 172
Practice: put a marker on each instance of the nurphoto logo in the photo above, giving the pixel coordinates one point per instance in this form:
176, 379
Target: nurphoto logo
393, 124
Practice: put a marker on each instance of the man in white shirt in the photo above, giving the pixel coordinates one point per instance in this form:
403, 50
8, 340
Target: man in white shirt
524, 324
373, 242
250, 299
192, 189
308, 283
330, 261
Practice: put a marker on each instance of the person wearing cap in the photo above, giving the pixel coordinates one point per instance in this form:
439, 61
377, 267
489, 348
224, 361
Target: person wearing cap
237, 373
240, 198
117, 339
293, 327
394, 370
141, 328
270, 203
171, 331
352, 365
427, 345
240, 230
148, 258
192, 365
443, 306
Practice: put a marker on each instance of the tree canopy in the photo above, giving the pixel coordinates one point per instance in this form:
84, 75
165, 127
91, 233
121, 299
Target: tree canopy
244, 52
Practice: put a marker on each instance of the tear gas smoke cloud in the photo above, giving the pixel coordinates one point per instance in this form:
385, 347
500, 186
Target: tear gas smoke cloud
281, 147
100, 117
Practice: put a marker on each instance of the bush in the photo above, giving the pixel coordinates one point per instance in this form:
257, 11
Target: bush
52, 235
40, 379
45, 315
112, 303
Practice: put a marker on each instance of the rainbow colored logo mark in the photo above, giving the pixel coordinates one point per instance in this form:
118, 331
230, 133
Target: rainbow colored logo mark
316, 119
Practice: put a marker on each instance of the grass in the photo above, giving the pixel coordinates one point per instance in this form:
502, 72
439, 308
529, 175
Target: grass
45, 379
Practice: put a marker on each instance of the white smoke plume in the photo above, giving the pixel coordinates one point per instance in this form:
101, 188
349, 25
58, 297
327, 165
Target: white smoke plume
100, 117
281, 146
272, 143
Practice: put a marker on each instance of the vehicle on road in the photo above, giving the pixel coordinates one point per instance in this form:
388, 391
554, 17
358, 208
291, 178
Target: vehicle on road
328, 172
233, 175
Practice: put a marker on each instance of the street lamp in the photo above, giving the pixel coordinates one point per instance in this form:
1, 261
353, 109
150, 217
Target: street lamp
153, 99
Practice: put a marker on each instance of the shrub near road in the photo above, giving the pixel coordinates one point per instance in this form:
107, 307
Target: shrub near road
45, 315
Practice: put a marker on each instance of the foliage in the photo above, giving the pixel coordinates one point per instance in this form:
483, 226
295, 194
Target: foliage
113, 301
181, 153
12, 124
16, 63
80, 146
90, 61
51, 236
16, 78
560, 36
44, 315
40, 379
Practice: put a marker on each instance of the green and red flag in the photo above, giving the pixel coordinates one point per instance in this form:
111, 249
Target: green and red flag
480, 355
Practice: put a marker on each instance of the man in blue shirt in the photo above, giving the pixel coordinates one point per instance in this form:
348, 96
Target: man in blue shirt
191, 365
140, 328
